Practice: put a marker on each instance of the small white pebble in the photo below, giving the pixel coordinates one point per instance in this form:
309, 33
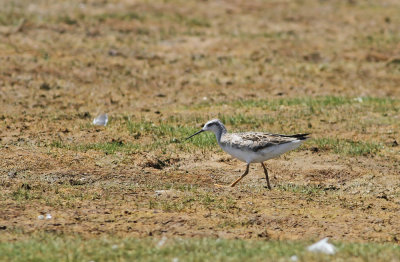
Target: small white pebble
114, 247
48, 216
175, 259
294, 258
40, 217
205, 98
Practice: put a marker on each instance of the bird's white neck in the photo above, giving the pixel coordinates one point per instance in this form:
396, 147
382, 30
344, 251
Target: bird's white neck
219, 131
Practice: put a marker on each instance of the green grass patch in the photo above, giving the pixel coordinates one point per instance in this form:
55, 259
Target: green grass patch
162, 135
347, 147
106, 147
50, 247
21, 194
287, 115
304, 101
315, 104
166, 133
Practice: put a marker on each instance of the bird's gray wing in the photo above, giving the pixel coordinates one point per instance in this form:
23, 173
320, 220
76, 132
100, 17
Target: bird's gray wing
256, 141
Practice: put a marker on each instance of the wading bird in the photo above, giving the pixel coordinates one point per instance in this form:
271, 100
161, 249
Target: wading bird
252, 147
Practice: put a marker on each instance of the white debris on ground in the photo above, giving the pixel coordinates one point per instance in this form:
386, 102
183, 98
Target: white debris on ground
47, 217
175, 259
163, 192
294, 258
101, 120
162, 241
322, 246
358, 99
114, 247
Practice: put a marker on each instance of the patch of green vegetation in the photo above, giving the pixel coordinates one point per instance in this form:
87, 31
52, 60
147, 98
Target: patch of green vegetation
347, 147
21, 194
106, 147
51, 247
315, 104
319, 114
162, 134
173, 129
175, 132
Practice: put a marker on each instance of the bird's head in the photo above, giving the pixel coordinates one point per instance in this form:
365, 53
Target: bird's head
214, 126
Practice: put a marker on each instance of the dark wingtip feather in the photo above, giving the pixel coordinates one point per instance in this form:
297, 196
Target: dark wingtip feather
298, 136
301, 136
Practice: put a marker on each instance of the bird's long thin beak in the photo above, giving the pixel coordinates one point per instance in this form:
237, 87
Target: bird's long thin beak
195, 134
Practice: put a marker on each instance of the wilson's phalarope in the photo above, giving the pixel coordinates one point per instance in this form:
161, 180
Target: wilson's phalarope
252, 147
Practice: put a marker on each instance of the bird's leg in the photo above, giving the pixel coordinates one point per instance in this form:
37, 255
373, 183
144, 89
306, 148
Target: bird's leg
240, 178
266, 175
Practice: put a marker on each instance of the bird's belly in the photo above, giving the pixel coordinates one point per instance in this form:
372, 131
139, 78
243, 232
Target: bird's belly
259, 156
275, 151
242, 155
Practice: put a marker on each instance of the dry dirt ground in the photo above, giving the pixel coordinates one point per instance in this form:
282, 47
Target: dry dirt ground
160, 69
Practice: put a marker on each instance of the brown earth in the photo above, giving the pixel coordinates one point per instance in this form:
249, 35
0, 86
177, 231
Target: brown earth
62, 63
